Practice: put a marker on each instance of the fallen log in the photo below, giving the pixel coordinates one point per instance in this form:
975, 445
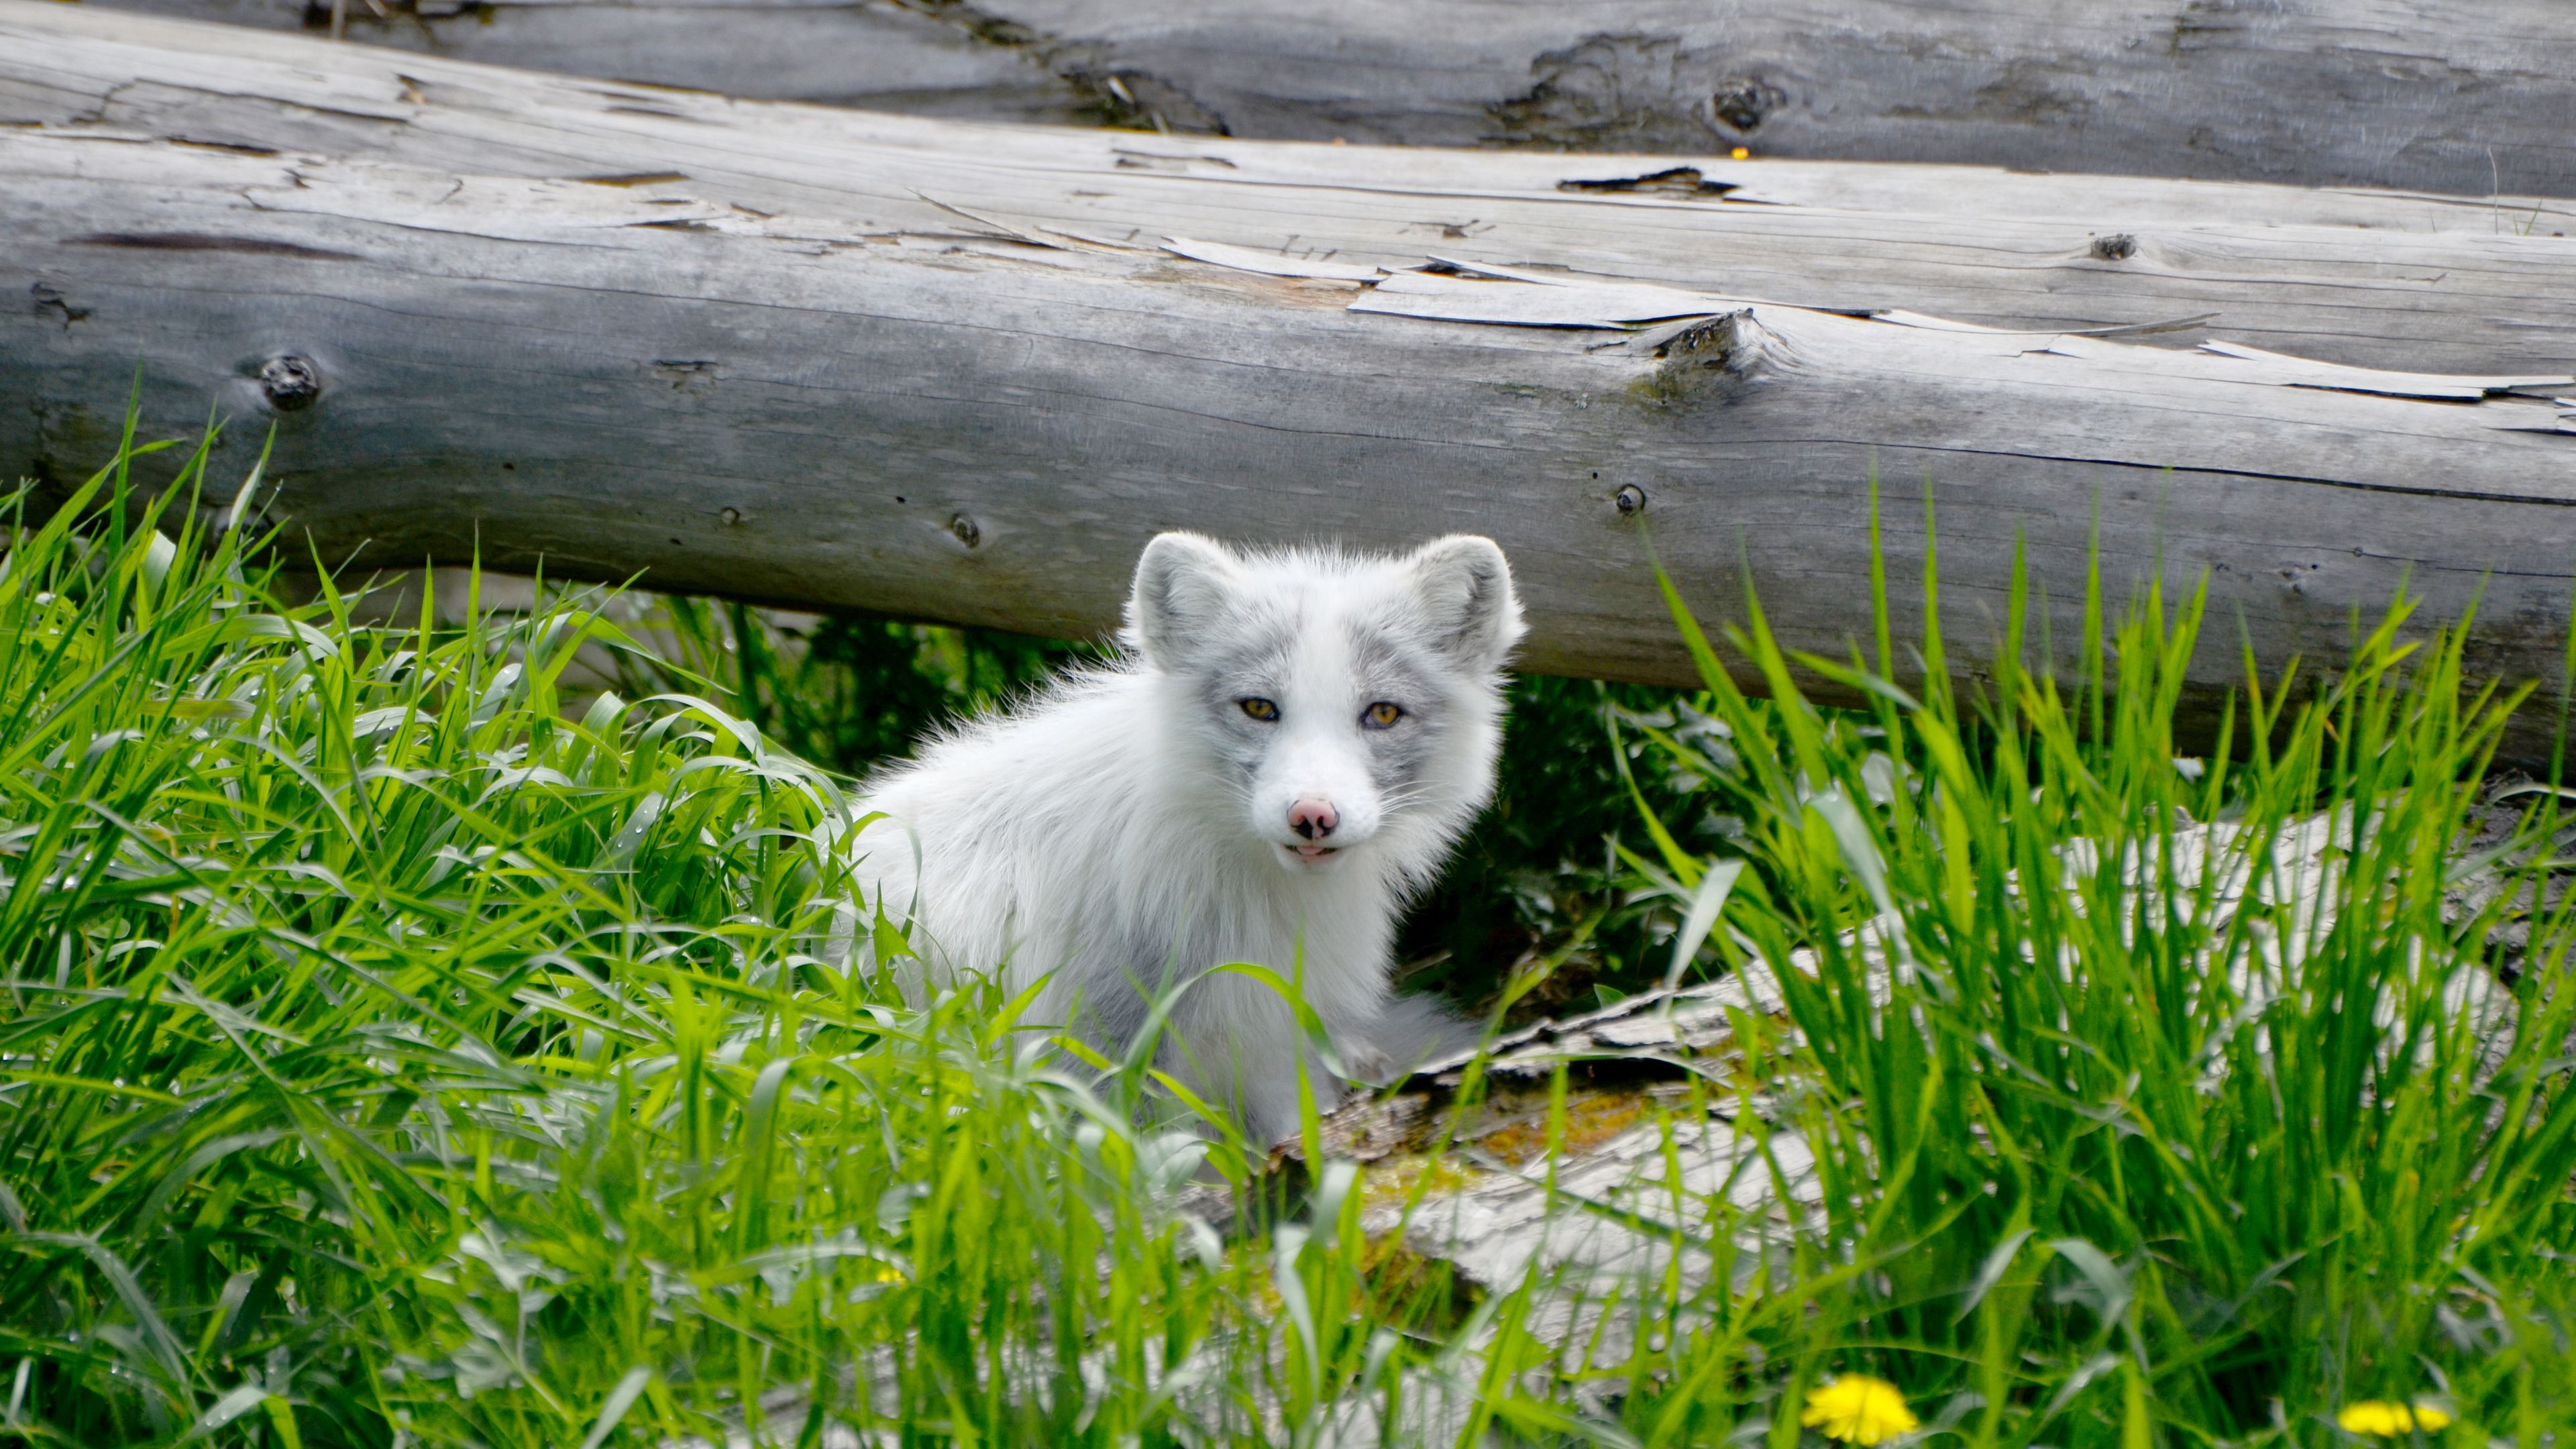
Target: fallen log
2370, 278
963, 372
2438, 95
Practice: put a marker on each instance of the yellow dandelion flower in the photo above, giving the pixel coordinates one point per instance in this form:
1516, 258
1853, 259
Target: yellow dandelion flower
1858, 1409
2387, 1420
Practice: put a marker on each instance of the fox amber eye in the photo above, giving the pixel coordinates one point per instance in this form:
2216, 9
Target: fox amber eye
1381, 715
1259, 708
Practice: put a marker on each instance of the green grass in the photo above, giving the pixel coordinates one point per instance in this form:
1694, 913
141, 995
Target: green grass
389, 1057
2226, 1192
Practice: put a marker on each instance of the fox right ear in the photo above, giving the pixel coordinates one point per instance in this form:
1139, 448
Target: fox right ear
1183, 582
1465, 585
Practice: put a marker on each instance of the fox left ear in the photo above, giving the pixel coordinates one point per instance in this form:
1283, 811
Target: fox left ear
1465, 586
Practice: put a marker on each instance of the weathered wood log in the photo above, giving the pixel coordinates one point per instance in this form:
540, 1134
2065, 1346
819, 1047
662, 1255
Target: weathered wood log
2458, 96
955, 372
2369, 278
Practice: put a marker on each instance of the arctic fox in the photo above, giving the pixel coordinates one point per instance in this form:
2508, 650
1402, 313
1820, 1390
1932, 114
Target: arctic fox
1287, 749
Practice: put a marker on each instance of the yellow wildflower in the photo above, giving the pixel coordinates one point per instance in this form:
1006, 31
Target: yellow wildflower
1858, 1409
2390, 1421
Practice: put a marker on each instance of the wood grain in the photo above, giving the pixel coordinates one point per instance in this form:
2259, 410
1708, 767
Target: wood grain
2471, 97
949, 371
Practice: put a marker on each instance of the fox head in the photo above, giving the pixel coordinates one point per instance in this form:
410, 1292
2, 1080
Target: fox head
1346, 705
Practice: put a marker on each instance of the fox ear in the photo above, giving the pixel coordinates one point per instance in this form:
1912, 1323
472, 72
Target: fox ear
1184, 582
1465, 586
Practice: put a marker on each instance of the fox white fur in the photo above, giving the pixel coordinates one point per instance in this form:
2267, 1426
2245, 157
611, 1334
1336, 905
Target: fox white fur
1287, 750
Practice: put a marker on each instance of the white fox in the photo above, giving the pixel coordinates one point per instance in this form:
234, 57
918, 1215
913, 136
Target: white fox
1288, 748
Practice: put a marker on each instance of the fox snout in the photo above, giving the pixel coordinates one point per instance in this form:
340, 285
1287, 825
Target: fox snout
1312, 800
1324, 818
1313, 819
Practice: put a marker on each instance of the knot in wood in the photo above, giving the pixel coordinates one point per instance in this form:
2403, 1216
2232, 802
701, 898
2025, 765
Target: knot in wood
966, 531
1712, 341
1630, 500
290, 383
2119, 246
1740, 103
1710, 360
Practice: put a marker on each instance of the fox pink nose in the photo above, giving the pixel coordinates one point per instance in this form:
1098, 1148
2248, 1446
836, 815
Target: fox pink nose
1313, 819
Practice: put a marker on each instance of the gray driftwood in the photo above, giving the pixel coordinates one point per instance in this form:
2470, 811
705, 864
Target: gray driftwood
962, 372
2462, 96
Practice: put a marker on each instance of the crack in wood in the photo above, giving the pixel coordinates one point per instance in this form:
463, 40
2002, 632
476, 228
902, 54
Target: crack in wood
199, 241
1671, 181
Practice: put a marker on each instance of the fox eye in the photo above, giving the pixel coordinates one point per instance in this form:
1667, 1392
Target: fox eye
1259, 708
1381, 715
